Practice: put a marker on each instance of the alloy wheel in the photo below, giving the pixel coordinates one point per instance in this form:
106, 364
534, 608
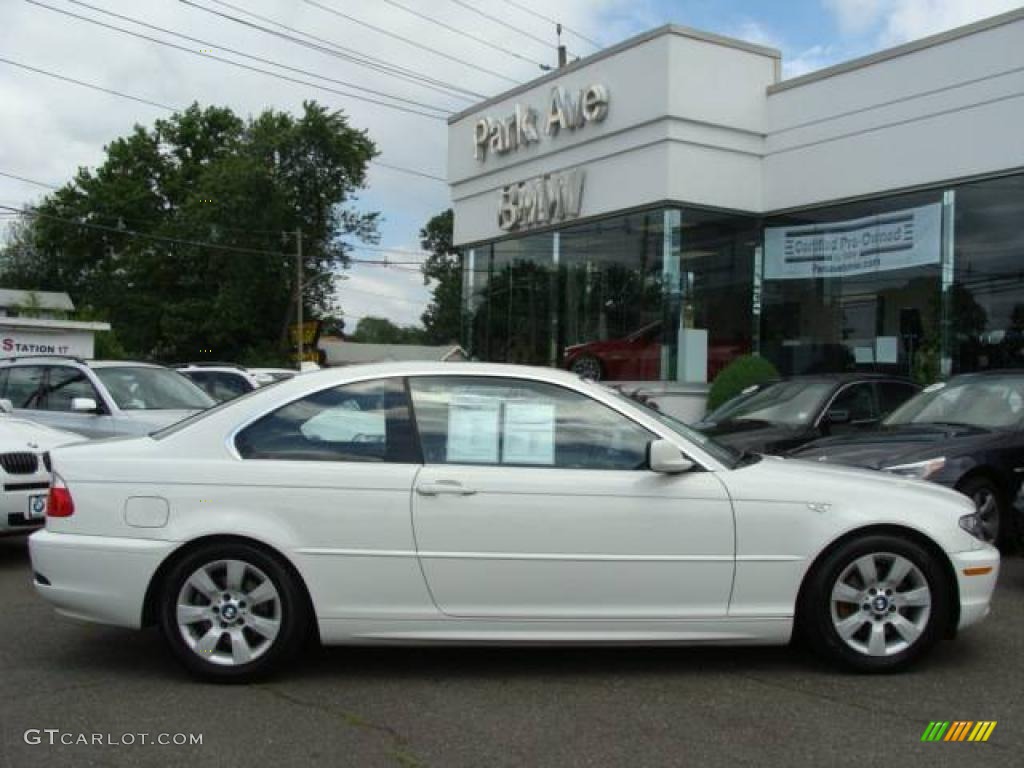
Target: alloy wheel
880, 604
229, 612
587, 367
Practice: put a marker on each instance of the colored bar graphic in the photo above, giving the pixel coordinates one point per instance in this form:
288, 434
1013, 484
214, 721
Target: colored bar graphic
958, 730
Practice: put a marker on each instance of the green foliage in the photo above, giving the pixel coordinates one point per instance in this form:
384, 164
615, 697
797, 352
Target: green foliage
442, 319
741, 373
203, 175
380, 330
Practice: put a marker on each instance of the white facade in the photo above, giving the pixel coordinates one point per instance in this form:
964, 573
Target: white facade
702, 120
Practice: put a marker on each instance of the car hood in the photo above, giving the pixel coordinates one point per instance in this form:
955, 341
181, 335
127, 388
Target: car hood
897, 445
753, 436
22, 434
144, 422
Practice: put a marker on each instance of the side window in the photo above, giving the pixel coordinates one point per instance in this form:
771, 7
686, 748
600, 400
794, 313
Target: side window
892, 394
366, 421
64, 385
220, 386
514, 422
858, 401
25, 386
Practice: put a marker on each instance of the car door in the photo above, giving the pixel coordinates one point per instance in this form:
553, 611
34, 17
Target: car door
63, 384
535, 502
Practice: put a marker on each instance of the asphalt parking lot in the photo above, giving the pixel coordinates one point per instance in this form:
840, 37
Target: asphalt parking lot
498, 707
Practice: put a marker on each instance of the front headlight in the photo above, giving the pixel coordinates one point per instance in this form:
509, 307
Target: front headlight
921, 470
972, 524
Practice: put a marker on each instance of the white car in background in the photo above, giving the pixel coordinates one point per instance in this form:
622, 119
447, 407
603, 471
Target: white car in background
24, 478
470, 503
267, 376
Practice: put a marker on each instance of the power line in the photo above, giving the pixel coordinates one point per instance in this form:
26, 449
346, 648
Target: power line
502, 22
28, 181
458, 31
341, 52
548, 19
408, 41
57, 76
216, 246
260, 59
239, 64
84, 84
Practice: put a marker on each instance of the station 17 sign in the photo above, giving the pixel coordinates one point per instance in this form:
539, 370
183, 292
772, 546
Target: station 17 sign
895, 240
18, 342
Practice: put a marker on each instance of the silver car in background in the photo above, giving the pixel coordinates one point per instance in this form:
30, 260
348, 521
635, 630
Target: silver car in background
98, 398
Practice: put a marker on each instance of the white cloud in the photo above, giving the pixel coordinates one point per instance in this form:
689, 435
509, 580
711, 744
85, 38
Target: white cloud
897, 21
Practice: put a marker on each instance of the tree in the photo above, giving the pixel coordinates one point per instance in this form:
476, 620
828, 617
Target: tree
380, 330
203, 175
442, 319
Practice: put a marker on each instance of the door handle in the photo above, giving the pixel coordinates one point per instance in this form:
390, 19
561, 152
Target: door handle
444, 487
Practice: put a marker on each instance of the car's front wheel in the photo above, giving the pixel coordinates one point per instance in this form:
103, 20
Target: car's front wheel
876, 603
231, 612
588, 367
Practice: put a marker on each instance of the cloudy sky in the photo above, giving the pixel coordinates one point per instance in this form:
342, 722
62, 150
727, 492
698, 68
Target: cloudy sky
50, 127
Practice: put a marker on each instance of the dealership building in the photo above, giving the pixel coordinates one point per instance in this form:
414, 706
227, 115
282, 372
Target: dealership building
654, 210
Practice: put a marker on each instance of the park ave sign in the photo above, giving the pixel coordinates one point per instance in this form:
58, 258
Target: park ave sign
520, 129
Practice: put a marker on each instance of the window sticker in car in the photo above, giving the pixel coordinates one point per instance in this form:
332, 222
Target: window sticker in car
529, 430
473, 430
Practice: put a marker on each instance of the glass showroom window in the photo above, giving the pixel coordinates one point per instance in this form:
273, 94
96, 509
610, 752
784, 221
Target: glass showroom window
987, 296
856, 287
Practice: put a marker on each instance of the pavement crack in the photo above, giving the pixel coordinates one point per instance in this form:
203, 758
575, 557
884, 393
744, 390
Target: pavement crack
399, 748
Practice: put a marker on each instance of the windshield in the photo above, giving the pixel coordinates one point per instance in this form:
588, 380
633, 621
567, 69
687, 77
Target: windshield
135, 388
990, 402
720, 452
792, 403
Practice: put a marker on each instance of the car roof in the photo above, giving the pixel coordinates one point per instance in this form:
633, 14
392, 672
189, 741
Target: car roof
845, 377
68, 360
428, 368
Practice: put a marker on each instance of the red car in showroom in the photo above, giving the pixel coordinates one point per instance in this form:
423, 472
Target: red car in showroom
637, 357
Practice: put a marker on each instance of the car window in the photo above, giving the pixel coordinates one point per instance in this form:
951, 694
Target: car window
793, 402
25, 386
515, 422
990, 402
858, 400
64, 385
220, 385
138, 388
365, 421
893, 394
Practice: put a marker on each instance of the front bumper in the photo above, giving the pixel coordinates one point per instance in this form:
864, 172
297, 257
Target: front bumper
975, 590
96, 578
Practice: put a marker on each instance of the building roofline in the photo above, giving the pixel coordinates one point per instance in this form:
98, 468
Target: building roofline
604, 53
57, 325
900, 50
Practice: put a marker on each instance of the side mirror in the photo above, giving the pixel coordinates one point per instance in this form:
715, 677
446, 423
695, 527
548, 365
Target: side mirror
84, 405
838, 417
664, 457
6, 406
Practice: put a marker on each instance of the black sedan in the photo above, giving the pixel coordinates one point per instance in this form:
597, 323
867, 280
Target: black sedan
966, 434
782, 415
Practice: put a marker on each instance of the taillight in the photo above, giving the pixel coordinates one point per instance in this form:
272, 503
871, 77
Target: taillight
60, 503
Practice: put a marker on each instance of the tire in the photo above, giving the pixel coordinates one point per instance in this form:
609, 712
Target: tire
587, 366
991, 506
232, 613
846, 633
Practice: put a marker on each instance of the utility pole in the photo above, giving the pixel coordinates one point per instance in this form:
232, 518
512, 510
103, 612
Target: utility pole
298, 297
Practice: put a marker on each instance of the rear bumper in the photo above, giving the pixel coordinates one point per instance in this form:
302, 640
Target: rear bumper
96, 578
975, 590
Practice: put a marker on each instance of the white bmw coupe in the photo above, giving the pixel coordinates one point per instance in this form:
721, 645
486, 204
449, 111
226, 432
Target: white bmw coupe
473, 503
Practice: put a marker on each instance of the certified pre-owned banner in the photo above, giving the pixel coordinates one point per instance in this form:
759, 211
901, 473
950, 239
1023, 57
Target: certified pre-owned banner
896, 240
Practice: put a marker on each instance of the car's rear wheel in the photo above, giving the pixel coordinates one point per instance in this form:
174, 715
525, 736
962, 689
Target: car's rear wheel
990, 507
232, 612
876, 603
588, 367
